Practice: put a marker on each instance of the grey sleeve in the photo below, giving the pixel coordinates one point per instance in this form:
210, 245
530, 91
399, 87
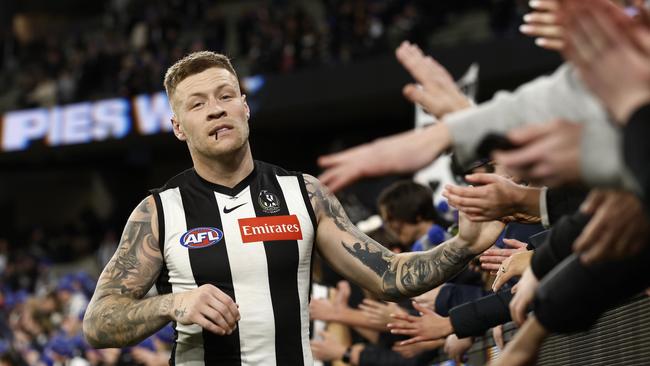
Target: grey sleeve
559, 95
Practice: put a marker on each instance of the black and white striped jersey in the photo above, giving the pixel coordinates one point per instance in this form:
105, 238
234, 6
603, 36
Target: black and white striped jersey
254, 242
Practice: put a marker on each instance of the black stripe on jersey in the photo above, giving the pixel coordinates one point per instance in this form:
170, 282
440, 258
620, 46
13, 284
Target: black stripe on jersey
282, 261
162, 282
305, 197
201, 210
312, 215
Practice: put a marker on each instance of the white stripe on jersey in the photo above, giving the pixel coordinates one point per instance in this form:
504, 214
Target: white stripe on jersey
296, 206
189, 345
250, 280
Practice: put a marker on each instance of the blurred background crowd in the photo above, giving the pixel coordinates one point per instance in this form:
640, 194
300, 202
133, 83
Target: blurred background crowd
123, 47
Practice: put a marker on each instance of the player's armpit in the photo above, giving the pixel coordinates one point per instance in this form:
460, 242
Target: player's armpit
366, 262
116, 315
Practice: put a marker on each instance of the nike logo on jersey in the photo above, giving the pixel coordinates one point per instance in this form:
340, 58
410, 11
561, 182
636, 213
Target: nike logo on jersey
229, 210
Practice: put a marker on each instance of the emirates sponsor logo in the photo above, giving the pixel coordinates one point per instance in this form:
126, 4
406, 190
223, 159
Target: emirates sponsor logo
270, 228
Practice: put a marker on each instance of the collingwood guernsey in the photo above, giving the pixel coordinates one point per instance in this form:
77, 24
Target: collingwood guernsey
254, 242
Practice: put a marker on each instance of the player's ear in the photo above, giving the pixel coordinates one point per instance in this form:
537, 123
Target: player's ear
248, 110
178, 129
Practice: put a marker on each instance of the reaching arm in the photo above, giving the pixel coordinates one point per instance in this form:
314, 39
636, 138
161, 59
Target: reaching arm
391, 276
117, 315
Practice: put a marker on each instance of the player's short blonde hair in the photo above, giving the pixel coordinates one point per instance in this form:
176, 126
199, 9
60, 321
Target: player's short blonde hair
194, 63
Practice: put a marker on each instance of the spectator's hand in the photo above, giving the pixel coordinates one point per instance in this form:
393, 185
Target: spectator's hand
549, 153
497, 334
612, 54
428, 299
329, 310
543, 24
437, 93
327, 348
492, 198
402, 153
455, 348
208, 307
379, 313
618, 228
524, 292
478, 235
426, 327
512, 267
413, 350
492, 258
523, 348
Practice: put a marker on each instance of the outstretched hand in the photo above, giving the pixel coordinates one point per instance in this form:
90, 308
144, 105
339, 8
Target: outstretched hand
437, 92
492, 197
492, 258
379, 313
512, 267
612, 53
548, 153
543, 23
426, 327
618, 228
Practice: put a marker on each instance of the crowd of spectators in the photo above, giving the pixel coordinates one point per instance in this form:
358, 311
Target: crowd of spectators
125, 49
568, 158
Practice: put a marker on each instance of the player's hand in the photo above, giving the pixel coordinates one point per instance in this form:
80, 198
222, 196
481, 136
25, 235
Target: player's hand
437, 92
492, 258
379, 313
512, 267
492, 198
543, 23
618, 228
549, 153
478, 235
328, 348
524, 292
208, 307
426, 327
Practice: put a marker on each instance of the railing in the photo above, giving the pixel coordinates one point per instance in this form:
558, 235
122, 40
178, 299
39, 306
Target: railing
620, 337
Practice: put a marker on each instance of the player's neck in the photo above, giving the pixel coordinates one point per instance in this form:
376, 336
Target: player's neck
228, 170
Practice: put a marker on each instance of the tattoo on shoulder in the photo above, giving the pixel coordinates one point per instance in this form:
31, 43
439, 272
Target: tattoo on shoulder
326, 204
137, 261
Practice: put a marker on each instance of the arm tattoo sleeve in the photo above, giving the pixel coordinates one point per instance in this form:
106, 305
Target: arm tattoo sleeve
401, 275
117, 315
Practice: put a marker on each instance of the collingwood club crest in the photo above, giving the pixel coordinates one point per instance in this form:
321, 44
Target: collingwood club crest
269, 202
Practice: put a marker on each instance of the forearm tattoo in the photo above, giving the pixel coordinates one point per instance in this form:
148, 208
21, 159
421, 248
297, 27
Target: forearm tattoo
117, 315
403, 275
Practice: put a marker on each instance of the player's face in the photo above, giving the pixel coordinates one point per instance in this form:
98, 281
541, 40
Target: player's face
211, 114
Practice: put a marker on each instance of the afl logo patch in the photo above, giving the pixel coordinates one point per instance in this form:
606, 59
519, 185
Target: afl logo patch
201, 237
269, 202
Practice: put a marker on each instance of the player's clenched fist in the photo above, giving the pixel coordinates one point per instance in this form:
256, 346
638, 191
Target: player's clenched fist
208, 307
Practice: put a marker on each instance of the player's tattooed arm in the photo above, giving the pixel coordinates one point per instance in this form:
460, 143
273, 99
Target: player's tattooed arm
363, 260
117, 314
